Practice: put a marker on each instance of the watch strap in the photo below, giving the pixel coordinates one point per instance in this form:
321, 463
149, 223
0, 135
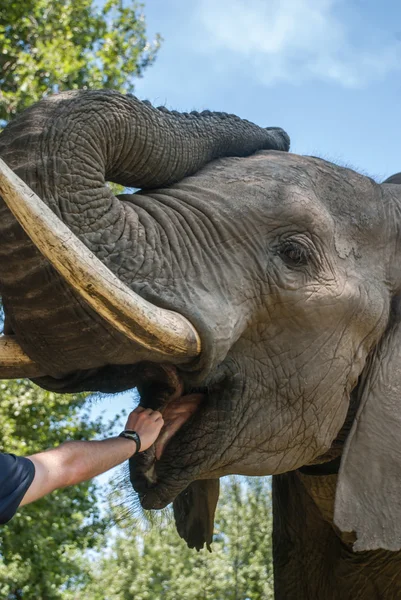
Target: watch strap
130, 434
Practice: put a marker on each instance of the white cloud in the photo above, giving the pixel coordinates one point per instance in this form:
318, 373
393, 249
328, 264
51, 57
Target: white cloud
296, 40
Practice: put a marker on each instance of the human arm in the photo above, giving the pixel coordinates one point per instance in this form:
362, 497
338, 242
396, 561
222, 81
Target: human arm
77, 461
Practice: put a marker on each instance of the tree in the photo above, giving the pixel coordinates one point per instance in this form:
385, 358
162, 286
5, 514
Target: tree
246, 517
39, 546
55, 45
145, 563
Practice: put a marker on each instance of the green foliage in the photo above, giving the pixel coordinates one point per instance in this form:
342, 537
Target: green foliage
154, 563
55, 45
246, 517
39, 546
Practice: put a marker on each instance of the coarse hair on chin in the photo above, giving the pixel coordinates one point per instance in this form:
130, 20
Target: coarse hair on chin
126, 509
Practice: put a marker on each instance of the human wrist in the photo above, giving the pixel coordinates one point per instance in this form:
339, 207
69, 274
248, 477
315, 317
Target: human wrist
128, 446
132, 435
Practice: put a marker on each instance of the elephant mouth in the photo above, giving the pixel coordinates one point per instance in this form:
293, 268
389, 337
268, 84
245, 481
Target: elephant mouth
162, 471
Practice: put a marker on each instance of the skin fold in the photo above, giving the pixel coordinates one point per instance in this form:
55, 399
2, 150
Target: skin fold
288, 268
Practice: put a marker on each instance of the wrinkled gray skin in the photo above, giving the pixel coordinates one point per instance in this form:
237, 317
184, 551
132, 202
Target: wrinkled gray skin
288, 266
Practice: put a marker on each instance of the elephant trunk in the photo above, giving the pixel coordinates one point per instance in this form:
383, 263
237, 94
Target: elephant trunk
66, 148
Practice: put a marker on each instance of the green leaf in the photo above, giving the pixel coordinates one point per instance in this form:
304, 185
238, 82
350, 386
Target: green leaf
48, 46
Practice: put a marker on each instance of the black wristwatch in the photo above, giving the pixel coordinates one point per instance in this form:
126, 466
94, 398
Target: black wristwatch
130, 434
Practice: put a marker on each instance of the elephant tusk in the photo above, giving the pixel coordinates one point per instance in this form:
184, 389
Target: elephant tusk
141, 321
14, 363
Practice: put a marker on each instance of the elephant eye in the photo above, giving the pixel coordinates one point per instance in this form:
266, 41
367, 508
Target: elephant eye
294, 254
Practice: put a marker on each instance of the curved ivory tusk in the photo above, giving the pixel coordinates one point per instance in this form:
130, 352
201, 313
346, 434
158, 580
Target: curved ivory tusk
14, 363
155, 328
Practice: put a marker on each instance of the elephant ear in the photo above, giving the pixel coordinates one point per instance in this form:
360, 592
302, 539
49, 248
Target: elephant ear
394, 179
194, 511
368, 496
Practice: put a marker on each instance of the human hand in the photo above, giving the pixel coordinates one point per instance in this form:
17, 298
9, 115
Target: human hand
147, 423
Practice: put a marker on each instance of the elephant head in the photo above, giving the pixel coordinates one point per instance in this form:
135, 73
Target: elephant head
253, 300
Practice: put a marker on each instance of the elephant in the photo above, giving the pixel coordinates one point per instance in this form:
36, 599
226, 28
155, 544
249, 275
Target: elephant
250, 294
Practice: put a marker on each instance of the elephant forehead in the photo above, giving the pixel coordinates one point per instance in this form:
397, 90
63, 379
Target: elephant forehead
257, 184
303, 189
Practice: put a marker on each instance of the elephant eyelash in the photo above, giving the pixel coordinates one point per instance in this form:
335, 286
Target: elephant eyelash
294, 254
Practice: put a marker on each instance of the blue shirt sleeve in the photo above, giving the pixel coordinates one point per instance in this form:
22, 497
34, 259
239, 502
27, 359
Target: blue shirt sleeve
16, 475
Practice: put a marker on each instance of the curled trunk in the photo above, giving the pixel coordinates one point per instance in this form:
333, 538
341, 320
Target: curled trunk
66, 148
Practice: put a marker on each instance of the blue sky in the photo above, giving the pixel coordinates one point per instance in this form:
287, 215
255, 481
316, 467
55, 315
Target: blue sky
328, 71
